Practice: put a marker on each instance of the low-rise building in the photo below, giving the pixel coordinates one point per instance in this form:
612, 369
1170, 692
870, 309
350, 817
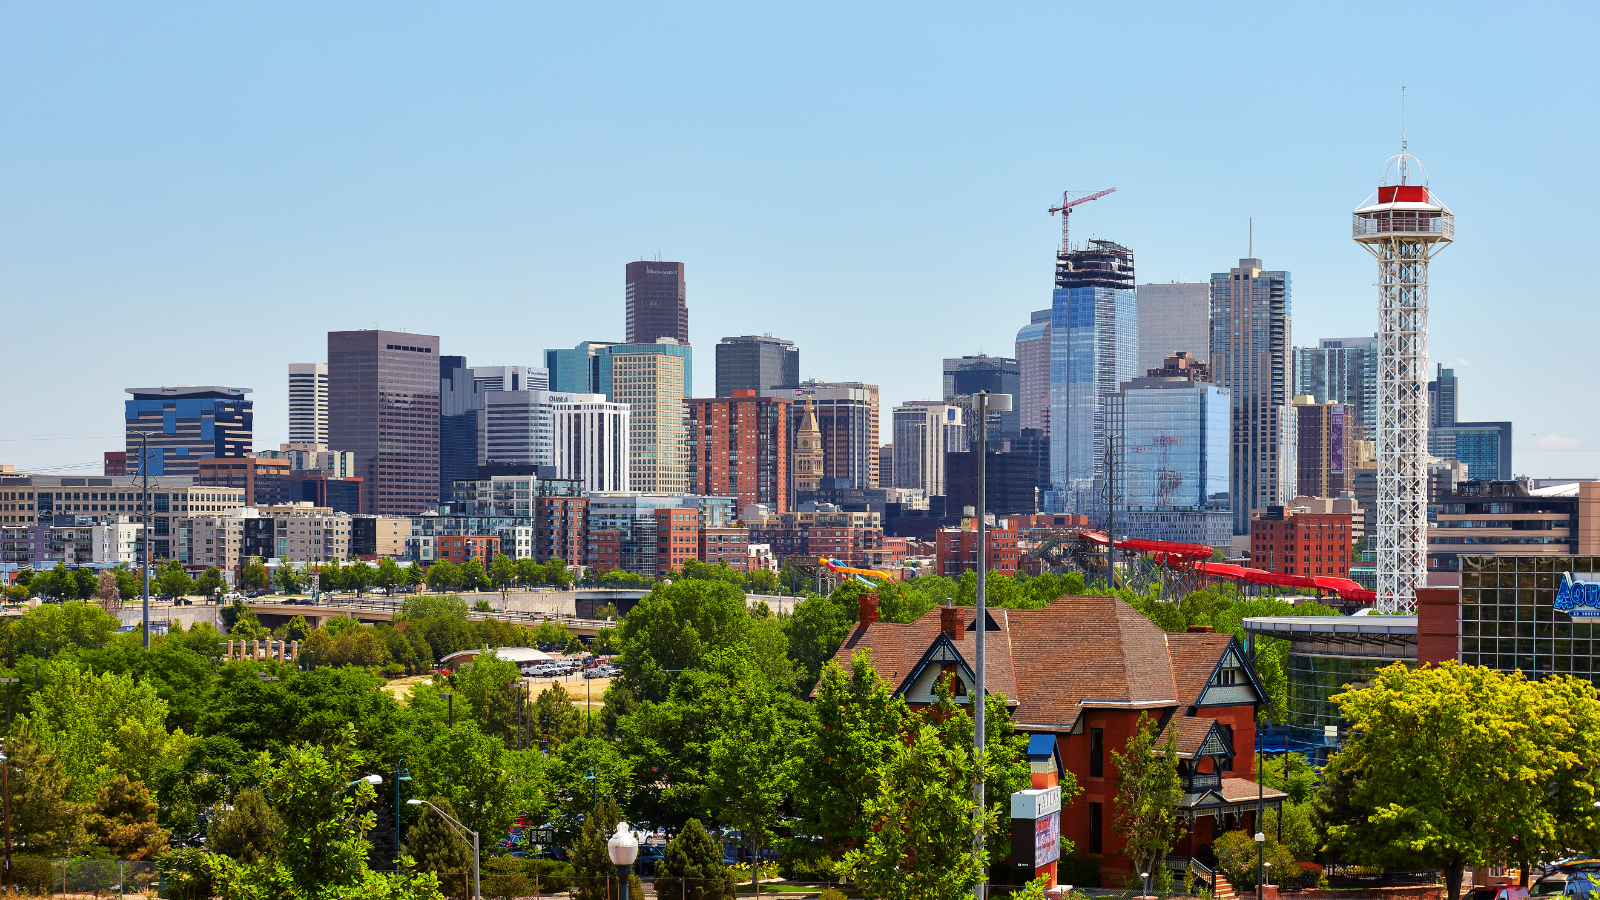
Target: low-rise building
1503, 518
853, 538
726, 545
956, 550
677, 538
481, 547
1296, 541
379, 537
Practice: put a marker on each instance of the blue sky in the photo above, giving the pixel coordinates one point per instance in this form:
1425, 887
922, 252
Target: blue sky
198, 193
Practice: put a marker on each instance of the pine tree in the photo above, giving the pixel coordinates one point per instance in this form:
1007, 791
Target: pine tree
692, 869
435, 846
124, 820
43, 820
248, 832
591, 861
555, 714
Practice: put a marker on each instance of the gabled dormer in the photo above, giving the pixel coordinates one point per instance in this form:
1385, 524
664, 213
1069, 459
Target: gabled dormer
941, 661
1232, 682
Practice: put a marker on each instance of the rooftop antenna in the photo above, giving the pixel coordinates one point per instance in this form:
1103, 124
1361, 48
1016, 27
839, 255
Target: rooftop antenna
1252, 253
1402, 132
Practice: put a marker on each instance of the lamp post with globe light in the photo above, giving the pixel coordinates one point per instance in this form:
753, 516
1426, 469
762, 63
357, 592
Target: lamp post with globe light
476, 893
624, 849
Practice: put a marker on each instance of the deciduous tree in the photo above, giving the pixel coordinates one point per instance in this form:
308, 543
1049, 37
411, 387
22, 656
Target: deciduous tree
1148, 792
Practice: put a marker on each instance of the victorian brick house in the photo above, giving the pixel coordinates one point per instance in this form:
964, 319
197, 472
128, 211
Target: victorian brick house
1077, 674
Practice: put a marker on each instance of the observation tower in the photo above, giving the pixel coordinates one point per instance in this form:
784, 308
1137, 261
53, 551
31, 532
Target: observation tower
1404, 229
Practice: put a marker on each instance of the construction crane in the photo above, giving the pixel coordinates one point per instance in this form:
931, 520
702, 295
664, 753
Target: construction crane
1066, 210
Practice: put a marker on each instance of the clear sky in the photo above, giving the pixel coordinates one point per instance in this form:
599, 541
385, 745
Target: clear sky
197, 193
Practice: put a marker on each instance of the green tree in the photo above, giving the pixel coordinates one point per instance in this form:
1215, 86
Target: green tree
555, 714
45, 631
249, 831
175, 582
691, 867
472, 576
209, 583
297, 629
358, 576
816, 630
674, 627
751, 760
443, 576
253, 576
388, 575
486, 782
416, 574
289, 580
858, 726
45, 821
438, 848
1439, 754
124, 820
129, 584
502, 573
1237, 856
922, 819
1148, 793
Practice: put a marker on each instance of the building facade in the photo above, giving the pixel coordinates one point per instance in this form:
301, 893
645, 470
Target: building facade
1011, 482
1172, 317
968, 375
186, 424
739, 447
591, 437
808, 455
1484, 447
576, 371
1251, 332
460, 410
956, 550
1173, 455
853, 538
1295, 542
756, 363
847, 426
924, 431
657, 302
308, 403
265, 481
1322, 447
1094, 348
383, 405
653, 380
1033, 372
1342, 370
1489, 518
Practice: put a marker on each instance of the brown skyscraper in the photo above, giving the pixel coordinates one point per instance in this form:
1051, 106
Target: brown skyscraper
656, 302
739, 446
383, 405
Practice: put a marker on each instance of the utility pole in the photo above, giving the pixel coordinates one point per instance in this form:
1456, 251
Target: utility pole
999, 403
144, 516
1111, 509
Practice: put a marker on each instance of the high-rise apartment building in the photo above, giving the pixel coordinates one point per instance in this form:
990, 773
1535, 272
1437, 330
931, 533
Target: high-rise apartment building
924, 431
576, 371
739, 447
1322, 452
1173, 461
1251, 332
308, 403
1033, 372
185, 424
756, 363
516, 427
1094, 348
1485, 447
656, 302
383, 405
967, 375
653, 379
590, 436
1444, 393
847, 423
1342, 370
1173, 317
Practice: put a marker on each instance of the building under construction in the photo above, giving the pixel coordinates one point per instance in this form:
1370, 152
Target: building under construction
1099, 264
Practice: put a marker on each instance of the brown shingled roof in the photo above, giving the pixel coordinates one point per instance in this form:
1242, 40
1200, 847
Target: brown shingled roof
1087, 650
1191, 731
897, 648
1194, 658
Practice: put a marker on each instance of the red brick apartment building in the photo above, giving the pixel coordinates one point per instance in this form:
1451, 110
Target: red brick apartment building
1301, 543
739, 447
1077, 674
481, 547
957, 550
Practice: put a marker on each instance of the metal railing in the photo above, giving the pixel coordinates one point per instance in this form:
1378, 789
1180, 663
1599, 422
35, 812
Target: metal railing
1193, 784
1388, 223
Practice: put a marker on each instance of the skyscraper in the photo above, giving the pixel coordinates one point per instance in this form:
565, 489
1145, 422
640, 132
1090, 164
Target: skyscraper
1443, 394
967, 375
1033, 369
1322, 452
1173, 317
591, 437
511, 378
656, 302
1250, 339
924, 431
1485, 447
383, 404
460, 402
516, 427
739, 447
756, 363
1342, 370
1173, 477
576, 370
653, 379
186, 424
1094, 348
308, 403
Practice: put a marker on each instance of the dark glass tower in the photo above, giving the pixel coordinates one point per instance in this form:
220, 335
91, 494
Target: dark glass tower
756, 363
383, 405
459, 402
657, 307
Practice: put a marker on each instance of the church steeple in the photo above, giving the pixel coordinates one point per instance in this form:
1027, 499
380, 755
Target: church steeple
808, 451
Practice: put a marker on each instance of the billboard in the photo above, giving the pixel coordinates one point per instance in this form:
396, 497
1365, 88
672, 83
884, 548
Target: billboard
1047, 839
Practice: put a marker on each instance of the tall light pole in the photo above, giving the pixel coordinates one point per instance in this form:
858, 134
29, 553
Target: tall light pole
624, 849
476, 894
998, 403
144, 518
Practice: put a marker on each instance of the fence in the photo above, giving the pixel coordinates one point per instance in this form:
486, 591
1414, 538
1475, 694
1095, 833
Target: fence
36, 875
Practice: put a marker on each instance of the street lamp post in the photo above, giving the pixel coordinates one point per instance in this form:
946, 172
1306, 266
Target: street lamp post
451, 700
1261, 852
1145, 878
624, 849
5, 779
476, 893
998, 403
400, 774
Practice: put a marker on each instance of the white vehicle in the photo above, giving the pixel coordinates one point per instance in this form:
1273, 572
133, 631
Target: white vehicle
377, 590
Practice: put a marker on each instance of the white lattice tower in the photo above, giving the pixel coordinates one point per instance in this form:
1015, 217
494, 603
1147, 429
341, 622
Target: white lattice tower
1404, 230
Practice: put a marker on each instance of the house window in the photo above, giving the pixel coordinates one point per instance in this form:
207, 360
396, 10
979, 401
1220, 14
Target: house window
1097, 755
1227, 761
1096, 827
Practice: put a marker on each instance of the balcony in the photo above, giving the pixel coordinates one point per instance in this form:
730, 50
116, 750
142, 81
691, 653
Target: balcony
1194, 784
1404, 222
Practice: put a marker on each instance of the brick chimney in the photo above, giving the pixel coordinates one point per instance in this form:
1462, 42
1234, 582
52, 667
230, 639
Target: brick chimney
953, 621
869, 609
1199, 629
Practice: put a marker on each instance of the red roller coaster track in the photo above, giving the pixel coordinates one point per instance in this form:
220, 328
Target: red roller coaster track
1196, 558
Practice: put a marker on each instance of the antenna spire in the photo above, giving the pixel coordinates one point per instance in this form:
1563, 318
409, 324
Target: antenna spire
1402, 132
1252, 251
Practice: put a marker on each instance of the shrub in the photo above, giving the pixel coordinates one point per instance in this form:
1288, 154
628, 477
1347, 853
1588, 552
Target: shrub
34, 874
183, 874
392, 670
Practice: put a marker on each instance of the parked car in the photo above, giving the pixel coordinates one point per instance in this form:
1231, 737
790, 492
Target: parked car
1552, 885
649, 856
1498, 891
1580, 884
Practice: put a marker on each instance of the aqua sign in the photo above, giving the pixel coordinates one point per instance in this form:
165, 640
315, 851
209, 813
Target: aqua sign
1579, 599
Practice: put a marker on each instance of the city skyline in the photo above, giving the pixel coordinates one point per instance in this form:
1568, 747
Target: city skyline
364, 259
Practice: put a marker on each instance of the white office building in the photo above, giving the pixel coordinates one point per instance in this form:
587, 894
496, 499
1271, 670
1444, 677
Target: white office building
924, 431
308, 403
590, 440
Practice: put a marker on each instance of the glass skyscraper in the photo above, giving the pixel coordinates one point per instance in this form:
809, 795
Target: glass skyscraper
1342, 370
1094, 348
1251, 329
1173, 478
